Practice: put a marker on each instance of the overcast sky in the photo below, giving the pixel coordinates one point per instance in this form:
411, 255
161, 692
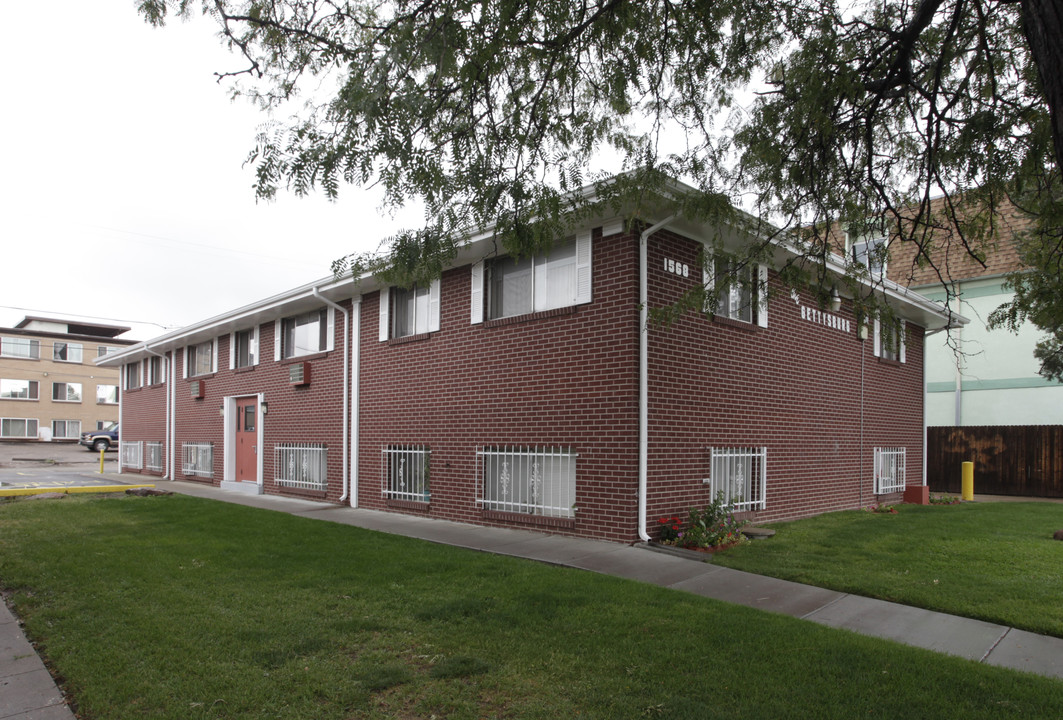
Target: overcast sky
122, 193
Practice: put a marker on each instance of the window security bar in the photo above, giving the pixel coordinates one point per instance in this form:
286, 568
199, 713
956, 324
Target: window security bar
529, 480
132, 454
198, 459
301, 465
405, 472
153, 456
740, 476
889, 469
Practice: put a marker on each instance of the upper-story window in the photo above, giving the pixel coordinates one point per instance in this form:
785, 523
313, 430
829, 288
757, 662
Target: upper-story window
155, 370
869, 251
67, 352
104, 349
507, 287
304, 334
18, 390
66, 392
889, 342
740, 290
131, 373
200, 358
107, 394
243, 347
17, 347
405, 312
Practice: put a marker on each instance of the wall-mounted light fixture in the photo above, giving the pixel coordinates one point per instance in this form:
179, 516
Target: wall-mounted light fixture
835, 299
221, 411
265, 408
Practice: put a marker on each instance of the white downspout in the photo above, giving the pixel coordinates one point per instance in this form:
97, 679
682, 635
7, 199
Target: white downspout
644, 382
346, 369
166, 432
356, 377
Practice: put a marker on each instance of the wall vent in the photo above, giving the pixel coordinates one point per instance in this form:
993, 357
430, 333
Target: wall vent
197, 388
299, 374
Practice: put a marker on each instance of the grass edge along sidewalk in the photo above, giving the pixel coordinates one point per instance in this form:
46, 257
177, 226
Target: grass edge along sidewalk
178, 607
995, 562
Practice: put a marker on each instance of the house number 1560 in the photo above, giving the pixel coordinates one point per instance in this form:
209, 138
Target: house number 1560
681, 269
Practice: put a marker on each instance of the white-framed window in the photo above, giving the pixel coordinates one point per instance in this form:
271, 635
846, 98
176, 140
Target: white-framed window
507, 287
201, 359
409, 312
102, 350
153, 456
106, 394
106, 424
890, 465
243, 348
870, 251
529, 480
306, 334
19, 389
739, 476
67, 352
301, 465
742, 290
889, 340
16, 347
66, 429
131, 373
66, 392
406, 472
18, 427
132, 454
155, 369
197, 459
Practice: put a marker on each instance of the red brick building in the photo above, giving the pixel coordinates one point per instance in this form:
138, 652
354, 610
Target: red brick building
524, 394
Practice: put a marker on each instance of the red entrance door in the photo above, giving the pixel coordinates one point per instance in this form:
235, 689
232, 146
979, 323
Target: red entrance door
247, 439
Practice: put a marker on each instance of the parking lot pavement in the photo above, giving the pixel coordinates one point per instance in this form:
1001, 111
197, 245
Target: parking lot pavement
38, 464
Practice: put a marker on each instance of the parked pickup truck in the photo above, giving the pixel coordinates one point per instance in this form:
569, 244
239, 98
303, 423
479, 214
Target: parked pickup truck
101, 439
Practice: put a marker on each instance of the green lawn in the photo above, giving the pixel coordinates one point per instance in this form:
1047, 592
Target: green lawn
992, 561
175, 607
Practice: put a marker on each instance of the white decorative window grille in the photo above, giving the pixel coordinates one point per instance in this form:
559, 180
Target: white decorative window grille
153, 456
301, 465
197, 459
739, 476
889, 469
405, 472
530, 480
132, 454
66, 429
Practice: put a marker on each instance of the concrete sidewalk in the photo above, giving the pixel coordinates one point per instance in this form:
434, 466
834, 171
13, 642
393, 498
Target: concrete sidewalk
28, 693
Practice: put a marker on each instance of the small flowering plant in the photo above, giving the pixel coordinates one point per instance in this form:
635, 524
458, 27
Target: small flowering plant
670, 530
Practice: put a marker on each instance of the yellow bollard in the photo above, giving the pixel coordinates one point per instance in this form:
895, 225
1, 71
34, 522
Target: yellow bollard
967, 482
101, 461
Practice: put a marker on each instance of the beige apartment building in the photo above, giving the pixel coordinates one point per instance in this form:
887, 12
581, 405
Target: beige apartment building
50, 386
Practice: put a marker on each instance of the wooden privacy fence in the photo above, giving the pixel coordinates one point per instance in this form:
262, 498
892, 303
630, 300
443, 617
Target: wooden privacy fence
1008, 459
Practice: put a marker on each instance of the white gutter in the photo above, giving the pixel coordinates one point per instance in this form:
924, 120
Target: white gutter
346, 370
166, 438
356, 379
644, 381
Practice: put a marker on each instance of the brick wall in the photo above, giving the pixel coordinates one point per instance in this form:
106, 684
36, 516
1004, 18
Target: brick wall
801, 388
814, 395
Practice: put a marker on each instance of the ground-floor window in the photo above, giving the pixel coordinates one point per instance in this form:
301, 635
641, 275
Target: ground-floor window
530, 480
739, 476
18, 427
197, 459
889, 469
132, 454
301, 465
153, 456
405, 472
66, 429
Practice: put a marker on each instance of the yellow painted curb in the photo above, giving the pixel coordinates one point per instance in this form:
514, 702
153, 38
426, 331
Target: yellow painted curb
11, 492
